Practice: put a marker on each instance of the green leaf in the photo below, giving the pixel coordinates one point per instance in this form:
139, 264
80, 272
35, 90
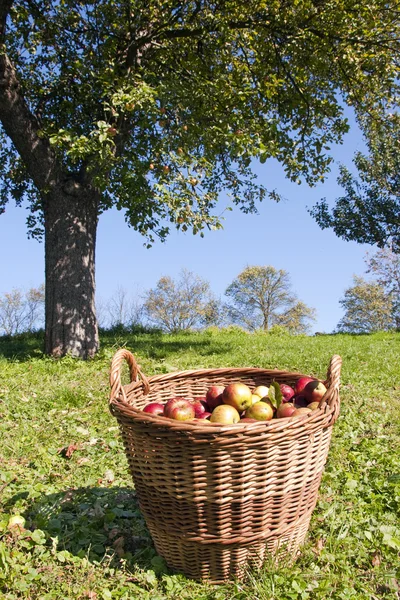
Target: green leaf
275, 394
38, 536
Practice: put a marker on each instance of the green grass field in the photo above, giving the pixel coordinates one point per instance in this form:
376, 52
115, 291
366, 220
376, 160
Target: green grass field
63, 468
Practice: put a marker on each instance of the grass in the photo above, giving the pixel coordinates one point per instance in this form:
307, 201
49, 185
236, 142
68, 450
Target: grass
63, 468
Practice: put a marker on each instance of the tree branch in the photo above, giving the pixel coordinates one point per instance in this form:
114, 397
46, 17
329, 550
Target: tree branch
19, 123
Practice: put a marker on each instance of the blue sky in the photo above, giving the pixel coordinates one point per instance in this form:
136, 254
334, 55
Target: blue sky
284, 235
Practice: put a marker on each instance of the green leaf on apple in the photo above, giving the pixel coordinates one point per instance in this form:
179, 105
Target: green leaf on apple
275, 394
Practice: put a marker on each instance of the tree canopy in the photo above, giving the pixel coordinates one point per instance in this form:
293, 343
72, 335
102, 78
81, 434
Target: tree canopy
182, 304
262, 296
157, 107
369, 212
367, 308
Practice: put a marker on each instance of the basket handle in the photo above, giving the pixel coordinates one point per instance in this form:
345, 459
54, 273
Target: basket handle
134, 370
332, 380
333, 375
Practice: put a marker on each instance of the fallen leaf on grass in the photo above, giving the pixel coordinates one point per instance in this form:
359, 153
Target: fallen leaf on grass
118, 546
376, 560
82, 430
68, 451
109, 476
320, 543
90, 595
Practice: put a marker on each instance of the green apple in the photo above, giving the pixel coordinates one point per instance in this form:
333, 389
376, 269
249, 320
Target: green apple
262, 411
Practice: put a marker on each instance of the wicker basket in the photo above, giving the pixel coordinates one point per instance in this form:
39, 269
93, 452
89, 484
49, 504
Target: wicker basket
217, 499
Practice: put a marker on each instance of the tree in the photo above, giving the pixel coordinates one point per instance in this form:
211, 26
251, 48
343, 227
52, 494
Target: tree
262, 297
156, 107
385, 266
21, 311
369, 212
297, 319
123, 310
182, 304
367, 308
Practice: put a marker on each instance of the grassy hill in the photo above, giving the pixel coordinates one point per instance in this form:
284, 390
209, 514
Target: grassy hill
63, 468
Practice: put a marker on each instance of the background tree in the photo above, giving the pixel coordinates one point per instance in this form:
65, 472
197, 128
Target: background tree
21, 311
155, 107
385, 266
262, 297
297, 319
182, 304
367, 308
123, 310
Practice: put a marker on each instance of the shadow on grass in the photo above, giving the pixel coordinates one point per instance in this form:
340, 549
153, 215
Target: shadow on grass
94, 522
22, 346
153, 344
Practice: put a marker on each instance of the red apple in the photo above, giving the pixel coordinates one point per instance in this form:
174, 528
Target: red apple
248, 420
154, 408
237, 395
179, 409
301, 384
300, 401
262, 411
214, 396
285, 410
287, 392
314, 391
200, 406
204, 415
225, 414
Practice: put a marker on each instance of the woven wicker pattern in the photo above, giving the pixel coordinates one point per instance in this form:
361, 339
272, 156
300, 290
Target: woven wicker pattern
218, 498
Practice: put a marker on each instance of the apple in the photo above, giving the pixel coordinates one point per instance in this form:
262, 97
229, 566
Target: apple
261, 391
287, 392
255, 398
237, 395
248, 420
214, 396
314, 391
225, 414
200, 406
262, 411
179, 409
304, 410
154, 408
204, 415
300, 401
301, 384
313, 405
285, 410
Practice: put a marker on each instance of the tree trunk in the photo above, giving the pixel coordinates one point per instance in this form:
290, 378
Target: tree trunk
71, 216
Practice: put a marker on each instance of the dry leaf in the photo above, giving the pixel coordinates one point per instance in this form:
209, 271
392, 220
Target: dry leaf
90, 595
118, 546
376, 560
68, 451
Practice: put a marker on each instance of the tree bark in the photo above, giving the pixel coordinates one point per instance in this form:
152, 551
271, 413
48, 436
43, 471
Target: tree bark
71, 216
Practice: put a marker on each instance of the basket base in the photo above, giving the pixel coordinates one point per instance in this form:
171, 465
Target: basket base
218, 564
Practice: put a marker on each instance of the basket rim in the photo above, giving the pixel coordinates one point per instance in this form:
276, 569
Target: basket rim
120, 407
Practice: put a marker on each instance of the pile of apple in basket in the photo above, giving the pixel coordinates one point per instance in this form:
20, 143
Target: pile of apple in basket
237, 402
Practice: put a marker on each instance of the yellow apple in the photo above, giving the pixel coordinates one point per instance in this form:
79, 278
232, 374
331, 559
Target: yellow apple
261, 391
225, 415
